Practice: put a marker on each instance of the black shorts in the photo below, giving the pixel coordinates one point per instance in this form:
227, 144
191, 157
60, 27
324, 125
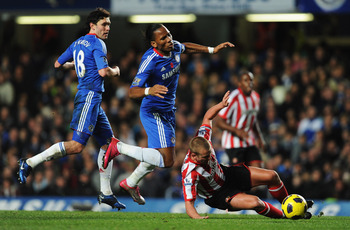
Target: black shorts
244, 155
237, 181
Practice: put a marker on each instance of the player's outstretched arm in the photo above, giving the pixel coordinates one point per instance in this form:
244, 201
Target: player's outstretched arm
109, 72
214, 110
196, 48
156, 90
192, 212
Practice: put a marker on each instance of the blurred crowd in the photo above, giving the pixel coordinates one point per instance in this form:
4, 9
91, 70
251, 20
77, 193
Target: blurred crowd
304, 116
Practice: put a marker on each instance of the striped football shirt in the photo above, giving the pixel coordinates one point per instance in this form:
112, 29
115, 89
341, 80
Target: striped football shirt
241, 113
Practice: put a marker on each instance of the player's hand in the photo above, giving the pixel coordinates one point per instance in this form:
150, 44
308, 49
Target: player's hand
68, 65
223, 46
224, 101
158, 91
241, 134
116, 71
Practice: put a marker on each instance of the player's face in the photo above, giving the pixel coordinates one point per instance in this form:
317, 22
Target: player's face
102, 28
203, 156
163, 41
246, 84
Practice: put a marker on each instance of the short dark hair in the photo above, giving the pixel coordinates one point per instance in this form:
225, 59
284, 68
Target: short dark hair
245, 72
96, 15
149, 34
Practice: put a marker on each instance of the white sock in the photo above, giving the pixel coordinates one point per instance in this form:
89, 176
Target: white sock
55, 151
105, 174
148, 155
140, 172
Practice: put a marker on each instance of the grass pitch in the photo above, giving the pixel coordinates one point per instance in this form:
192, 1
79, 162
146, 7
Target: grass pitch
76, 220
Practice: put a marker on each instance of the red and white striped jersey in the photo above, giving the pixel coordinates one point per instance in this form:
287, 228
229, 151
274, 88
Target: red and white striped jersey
241, 113
203, 180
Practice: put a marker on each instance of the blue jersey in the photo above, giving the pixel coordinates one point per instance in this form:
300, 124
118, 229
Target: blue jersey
162, 70
90, 55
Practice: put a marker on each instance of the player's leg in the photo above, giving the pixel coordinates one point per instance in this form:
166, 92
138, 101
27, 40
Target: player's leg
253, 158
232, 195
81, 124
148, 155
84, 104
161, 136
101, 133
160, 130
270, 178
144, 168
56, 151
106, 195
130, 184
243, 201
275, 185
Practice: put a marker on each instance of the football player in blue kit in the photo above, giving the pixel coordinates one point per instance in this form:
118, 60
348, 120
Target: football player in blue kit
156, 82
89, 54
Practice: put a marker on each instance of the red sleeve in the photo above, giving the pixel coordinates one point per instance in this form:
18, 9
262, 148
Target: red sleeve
189, 184
205, 131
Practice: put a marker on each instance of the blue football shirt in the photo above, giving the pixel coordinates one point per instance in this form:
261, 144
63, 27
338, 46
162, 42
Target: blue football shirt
162, 70
90, 55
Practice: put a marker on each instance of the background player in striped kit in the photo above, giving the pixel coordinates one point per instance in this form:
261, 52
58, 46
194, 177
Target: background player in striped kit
224, 187
156, 82
89, 53
239, 123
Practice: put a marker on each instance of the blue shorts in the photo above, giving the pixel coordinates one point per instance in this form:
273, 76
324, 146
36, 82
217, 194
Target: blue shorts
89, 118
160, 128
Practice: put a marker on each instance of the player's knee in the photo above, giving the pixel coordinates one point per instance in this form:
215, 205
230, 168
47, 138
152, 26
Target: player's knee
255, 203
274, 177
76, 147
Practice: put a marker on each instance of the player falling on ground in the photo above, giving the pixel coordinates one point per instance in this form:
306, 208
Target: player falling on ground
89, 53
156, 82
224, 187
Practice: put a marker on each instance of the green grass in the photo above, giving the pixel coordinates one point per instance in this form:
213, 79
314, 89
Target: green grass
51, 220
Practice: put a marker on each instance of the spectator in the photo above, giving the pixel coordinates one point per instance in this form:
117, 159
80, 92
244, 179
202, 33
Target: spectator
6, 89
310, 124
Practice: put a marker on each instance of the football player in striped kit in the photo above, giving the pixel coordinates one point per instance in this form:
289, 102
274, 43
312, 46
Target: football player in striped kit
89, 54
156, 82
239, 124
224, 187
